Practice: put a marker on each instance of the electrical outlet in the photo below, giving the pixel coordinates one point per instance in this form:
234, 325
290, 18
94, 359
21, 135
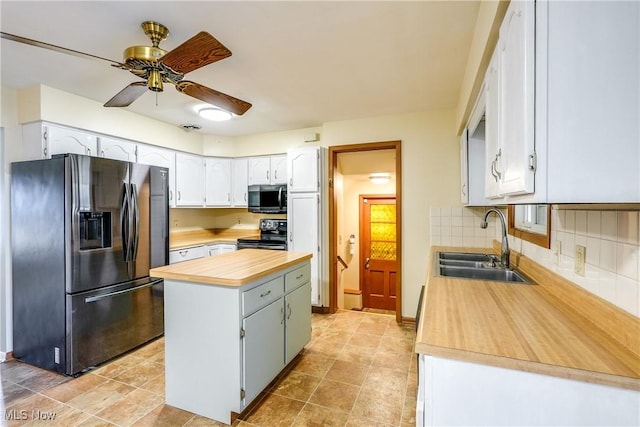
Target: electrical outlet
557, 252
581, 256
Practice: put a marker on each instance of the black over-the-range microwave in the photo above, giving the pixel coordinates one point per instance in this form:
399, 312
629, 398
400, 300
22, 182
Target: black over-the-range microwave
268, 198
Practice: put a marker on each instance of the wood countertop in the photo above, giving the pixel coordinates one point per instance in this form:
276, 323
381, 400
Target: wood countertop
186, 239
552, 327
235, 268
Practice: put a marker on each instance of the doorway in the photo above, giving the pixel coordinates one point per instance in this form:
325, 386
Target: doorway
378, 266
344, 247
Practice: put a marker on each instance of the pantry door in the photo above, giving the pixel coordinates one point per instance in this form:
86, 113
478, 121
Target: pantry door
378, 265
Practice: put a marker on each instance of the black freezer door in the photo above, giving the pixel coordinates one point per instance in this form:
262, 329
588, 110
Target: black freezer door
108, 322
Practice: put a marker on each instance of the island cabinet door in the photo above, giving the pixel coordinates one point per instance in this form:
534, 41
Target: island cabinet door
298, 320
262, 348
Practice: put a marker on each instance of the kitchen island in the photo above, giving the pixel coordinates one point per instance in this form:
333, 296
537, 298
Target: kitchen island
547, 353
232, 323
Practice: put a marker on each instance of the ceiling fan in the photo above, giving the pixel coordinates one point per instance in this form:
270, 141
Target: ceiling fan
156, 66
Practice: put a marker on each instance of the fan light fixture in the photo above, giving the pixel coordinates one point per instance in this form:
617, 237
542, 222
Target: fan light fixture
215, 114
380, 178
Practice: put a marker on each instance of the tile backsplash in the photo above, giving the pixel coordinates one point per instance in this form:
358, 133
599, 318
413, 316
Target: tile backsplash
611, 239
460, 226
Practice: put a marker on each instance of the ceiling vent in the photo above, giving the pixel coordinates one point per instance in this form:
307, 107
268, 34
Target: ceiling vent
188, 127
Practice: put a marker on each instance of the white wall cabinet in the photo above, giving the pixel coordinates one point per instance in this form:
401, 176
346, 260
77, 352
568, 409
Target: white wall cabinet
152, 155
261, 326
189, 180
117, 149
217, 181
464, 167
572, 136
302, 167
42, 140
267, 170
239, 182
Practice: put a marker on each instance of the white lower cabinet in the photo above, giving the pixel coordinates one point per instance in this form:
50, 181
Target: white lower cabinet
186, 254
454, 393
220, 248
225, 344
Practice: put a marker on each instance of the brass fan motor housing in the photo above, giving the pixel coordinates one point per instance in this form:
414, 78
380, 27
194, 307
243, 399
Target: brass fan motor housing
140, 54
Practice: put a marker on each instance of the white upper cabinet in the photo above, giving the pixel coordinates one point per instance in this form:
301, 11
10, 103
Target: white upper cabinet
588, 68
279, 171
303, 164
189, 180
156, 156
117, 149
509, 92
267, 170
42, 140
239, 182
217, 181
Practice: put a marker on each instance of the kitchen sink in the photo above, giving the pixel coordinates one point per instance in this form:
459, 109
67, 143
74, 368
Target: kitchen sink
497, 274
477, 266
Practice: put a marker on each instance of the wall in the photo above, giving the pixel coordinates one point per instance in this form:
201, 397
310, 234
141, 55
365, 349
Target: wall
199, 219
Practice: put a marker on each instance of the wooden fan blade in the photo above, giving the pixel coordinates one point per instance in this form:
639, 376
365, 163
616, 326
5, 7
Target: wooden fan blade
200, 50
55, 48
211, 96
127, 95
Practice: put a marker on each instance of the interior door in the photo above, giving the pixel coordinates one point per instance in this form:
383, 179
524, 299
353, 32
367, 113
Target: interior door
378, 253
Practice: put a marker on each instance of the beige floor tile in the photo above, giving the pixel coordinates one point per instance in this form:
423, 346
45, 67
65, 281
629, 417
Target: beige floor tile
365, 340
100, 397
371, 328
275, 411
131, 407
356, 354
318, 416
379, 406
397, 345
392, 360
13, 393
71, 389
312, 364
355, 421
62, 416
296, 385
17, 372
389, 380
155, 385
43, 380
339, 336
27, 410
141, 373
335, 395
348, 372
118, 366
325, 348
164, 416
95, 422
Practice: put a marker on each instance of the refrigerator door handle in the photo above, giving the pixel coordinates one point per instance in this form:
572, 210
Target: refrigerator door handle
125, 291
124, 222
136, 222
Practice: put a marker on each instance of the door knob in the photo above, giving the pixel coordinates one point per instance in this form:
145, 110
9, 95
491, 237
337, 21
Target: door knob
366, 263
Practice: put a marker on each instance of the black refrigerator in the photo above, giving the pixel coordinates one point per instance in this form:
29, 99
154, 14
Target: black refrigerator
84, 233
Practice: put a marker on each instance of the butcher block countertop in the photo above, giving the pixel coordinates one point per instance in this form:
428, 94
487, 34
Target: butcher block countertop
235, 268
186, 239
552, 327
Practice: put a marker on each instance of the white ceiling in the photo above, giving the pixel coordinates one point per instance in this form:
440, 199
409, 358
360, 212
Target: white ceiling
300, 63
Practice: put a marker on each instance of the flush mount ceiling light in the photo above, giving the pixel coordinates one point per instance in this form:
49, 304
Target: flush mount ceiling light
215, 114
380, 178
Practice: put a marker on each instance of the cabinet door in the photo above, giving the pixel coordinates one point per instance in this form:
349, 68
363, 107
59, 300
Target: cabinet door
217, 181
303, 170
262, 348
151, 155
259, 170
464, 167
239, 182
298, 320
492, 130
62, 140
304, 229
278, 169
516, 76
189, 180
117, 149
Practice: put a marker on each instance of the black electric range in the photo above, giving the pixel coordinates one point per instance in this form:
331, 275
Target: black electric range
273, 235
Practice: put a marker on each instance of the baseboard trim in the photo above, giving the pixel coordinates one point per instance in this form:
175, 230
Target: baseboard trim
5, 357
320, 310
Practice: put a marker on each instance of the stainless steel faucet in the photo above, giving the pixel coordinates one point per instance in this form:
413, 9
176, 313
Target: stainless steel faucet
504, 249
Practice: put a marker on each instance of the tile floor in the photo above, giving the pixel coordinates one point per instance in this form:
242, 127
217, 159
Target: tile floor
358, 370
